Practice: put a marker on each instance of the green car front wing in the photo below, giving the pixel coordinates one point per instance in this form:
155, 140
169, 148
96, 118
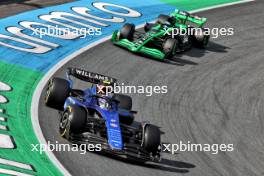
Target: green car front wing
136, 47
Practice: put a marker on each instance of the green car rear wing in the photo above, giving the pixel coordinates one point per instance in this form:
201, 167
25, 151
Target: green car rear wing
186, 18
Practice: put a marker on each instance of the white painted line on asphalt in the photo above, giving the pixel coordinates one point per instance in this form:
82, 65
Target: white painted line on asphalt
48, 75
16, 164
11, 172
6, 142
2, 111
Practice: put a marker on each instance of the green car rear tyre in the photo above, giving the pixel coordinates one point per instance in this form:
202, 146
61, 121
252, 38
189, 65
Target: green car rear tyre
201, 39
127, 31
163, 19
170, 48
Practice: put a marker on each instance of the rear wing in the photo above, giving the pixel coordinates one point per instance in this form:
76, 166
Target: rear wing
188, 19
91, 77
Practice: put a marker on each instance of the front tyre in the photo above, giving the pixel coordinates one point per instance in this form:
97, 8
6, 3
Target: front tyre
72, 120
151, 138
57, 91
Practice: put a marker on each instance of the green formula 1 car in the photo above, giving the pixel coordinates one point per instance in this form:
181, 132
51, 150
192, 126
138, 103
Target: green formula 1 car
169, 35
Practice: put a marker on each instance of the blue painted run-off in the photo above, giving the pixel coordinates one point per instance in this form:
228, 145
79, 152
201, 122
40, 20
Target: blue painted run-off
149, 9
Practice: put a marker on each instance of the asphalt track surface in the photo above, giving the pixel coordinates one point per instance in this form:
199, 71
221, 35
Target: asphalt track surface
214, 96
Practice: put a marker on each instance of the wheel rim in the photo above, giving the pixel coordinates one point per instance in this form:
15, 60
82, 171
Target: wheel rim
63, 123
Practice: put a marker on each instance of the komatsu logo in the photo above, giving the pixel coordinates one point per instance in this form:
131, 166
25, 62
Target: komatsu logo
58, 21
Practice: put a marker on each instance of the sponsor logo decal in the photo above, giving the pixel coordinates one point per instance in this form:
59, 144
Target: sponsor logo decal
62, 23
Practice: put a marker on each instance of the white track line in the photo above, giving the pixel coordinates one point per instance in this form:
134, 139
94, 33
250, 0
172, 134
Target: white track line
3, 99
3, 127
6, 142
11, 172
3, 119
15, 164
45, 79
4, 87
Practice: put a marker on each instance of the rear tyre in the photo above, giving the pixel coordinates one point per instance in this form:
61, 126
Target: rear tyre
170, 48
127, 120
148, 26
163, 19
151, 138
57, 91
201, 39
127, 31
125, 102
73, 119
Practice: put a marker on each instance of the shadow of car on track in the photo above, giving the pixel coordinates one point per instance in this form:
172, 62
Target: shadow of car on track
170, 166
212, 47
165, 164
198, 53
193, 53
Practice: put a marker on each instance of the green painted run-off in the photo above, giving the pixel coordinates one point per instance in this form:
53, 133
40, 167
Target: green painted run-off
23, 82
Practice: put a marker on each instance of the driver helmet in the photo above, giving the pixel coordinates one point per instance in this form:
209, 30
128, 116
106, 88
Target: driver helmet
103, 103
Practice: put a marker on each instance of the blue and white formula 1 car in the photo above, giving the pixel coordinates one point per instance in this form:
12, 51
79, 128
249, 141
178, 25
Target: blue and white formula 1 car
89, 117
